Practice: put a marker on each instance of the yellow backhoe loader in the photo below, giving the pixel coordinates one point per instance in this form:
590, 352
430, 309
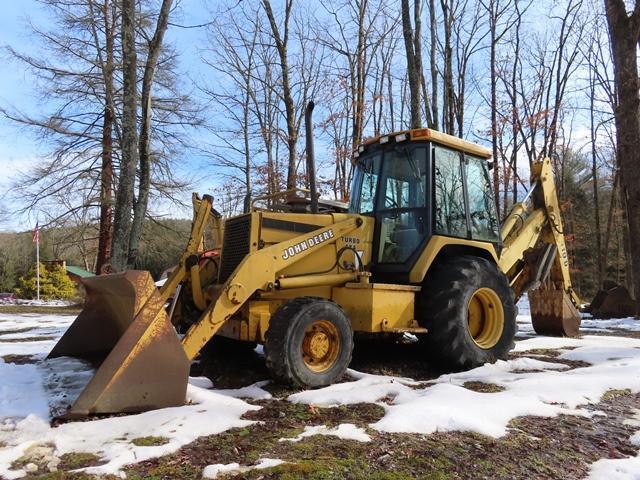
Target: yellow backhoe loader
418, 249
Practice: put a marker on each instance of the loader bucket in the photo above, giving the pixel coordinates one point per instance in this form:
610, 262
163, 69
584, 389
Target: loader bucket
613, 303
124, 331
553, 313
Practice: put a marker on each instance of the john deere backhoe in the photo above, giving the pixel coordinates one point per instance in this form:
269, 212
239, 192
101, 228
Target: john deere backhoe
418, 249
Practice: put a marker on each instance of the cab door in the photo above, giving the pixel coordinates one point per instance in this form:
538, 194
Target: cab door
402, 211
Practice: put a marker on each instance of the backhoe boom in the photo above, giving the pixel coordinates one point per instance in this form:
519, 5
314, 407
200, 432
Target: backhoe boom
534, 256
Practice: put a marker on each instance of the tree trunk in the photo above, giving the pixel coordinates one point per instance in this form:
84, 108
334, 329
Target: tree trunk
413, 72
494, 106
433, 24
281, 42
594, 175
126, 180
448, 90
358, 83
105, 235
144, 148
623, 32
610, 215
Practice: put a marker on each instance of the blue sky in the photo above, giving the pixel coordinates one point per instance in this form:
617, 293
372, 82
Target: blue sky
18, 148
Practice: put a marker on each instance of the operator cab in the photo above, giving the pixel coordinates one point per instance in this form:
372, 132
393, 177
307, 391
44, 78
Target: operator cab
417, 184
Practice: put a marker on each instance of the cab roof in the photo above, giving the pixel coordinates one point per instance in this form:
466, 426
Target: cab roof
431, 135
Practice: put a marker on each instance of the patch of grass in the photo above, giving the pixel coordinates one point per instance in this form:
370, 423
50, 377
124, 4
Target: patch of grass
19, 359
547, 352
291, 415
68, 476
27, 339
281, 390
157, 470
614, 393
483, 387
150, 441
20, 309
17, 330
327, 470
75, 460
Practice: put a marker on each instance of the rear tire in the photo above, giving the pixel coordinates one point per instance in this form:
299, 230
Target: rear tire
468, 307
309, 342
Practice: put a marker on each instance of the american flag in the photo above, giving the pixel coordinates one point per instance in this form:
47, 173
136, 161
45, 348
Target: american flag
36, 234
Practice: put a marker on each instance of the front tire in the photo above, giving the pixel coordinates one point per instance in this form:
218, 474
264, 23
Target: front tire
309, 342
468, 307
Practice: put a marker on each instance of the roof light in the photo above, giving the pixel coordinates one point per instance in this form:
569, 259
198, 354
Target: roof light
401, 137
421, 133
384, 139
361, 148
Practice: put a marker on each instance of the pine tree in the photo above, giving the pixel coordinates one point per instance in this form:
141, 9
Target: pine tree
54, 284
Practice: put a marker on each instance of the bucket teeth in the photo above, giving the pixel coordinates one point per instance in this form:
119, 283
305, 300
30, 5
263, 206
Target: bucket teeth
553, 313
125, 331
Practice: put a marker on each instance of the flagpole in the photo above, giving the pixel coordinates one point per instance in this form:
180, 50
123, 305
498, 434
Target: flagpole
37, 235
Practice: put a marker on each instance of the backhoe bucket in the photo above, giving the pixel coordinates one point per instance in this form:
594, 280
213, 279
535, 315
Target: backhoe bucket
553, 313
124, 330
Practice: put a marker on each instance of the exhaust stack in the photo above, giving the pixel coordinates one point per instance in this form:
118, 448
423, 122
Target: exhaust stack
311, 162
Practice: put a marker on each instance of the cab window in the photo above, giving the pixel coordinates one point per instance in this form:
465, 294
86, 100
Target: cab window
366, 183
482, 207
449, 210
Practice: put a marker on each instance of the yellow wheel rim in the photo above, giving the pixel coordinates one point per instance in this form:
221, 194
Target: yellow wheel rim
320, 346
485, 318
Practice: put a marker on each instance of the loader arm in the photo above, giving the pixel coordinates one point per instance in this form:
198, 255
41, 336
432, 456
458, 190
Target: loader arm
257, 272
553, 300
201, 211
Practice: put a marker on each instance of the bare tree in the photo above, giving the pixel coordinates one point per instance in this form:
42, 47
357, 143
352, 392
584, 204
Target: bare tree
155, 45
108, 11
126, 177
281, 41
234, 57
81, 70
413, 48
624, 33
354, 36
502, 15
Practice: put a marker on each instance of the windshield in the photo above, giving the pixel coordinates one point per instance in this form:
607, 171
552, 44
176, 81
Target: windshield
403, 184
365, 184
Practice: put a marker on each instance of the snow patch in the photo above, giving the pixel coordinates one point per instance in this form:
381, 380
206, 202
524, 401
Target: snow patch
630, 324
366, 389
30, 393
35, 303
21, 391
531, 387
346, 431
618, 468
201, 382
110, 438
254, 391
212, 471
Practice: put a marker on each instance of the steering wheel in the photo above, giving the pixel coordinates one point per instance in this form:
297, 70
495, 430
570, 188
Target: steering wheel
388, 199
